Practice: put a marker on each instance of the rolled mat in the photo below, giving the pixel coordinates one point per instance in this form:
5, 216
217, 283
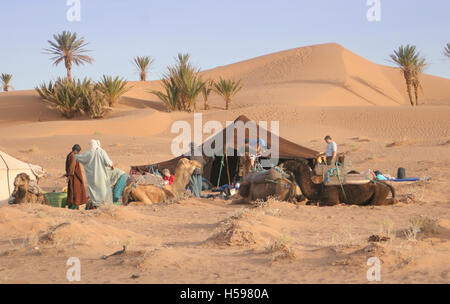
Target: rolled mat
405, 180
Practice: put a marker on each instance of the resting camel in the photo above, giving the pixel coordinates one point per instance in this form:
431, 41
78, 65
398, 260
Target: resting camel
152, 194
372, 193
23, 194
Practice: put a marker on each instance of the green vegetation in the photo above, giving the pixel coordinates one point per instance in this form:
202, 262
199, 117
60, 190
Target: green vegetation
182, 84
143, 65
206, 91
113, 88
227, 89
73, 97
447, 50
412, 66
5, 80
70, 49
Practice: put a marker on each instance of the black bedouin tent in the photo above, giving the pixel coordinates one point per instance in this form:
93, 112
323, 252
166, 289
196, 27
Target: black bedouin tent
215, 166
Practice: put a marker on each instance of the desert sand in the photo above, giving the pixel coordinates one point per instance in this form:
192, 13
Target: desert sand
312, 91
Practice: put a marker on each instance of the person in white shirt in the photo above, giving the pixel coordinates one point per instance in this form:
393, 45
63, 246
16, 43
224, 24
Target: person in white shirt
331, 151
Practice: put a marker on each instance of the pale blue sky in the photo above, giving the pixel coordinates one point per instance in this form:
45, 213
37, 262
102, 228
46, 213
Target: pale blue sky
214, 32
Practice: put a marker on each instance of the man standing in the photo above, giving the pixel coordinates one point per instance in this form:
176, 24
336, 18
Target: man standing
331, 151
76, 192
96, 162
196, 182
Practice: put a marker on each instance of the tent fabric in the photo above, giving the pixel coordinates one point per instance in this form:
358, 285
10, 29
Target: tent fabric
10, 167
287, 150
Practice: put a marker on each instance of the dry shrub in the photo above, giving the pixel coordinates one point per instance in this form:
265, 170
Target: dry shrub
230, 233
418, 224
387, 228
280, 250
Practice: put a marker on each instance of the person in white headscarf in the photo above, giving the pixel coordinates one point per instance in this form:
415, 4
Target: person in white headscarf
97, 165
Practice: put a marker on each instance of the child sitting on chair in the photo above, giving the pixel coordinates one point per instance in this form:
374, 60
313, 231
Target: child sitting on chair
168, 178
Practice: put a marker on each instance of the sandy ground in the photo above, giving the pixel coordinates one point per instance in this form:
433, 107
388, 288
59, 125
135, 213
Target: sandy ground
312, 92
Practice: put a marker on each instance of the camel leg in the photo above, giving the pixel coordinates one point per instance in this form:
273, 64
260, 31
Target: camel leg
141, 198
330, 197
380, 195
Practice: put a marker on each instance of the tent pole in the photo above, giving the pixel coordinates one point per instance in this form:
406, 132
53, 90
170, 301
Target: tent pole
220, 172
228, 169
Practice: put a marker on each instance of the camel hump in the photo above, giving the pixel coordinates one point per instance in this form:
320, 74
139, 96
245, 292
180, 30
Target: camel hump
260, 177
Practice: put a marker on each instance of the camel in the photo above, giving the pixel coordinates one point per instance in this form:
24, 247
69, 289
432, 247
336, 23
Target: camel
23, 193
153, 194
269, 184
245, 165
372, 193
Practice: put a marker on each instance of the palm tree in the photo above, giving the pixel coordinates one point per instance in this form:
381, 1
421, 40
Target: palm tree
187, 80
227, 89
171, 97
407, 58
447, 50
143, 64
182, 84
113, 88
69, 49
5, 82
418, 69
206, 91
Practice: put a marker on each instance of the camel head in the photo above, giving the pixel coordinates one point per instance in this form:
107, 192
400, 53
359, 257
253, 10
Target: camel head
187, 166
183, 173
295, 165
21, 183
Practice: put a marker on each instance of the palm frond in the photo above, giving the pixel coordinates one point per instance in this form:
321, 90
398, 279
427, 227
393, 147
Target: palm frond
69, 48
227, 88
113, 88
5, 82
143, 64
447, 50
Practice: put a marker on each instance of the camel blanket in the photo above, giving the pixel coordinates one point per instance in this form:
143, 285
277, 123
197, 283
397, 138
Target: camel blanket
262, 177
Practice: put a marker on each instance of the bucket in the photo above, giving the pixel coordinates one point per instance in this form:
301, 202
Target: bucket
401, 173
57, 199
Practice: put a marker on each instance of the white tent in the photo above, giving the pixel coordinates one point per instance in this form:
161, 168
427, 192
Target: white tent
10, 167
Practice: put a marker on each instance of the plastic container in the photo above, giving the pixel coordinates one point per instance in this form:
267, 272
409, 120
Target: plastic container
401, 173
57, 199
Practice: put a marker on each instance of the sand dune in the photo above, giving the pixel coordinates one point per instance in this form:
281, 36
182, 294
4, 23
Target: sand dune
326, 75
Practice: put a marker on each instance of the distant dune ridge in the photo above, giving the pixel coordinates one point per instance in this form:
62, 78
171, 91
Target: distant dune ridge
325, 75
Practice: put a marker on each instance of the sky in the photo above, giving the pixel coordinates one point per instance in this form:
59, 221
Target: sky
214, 32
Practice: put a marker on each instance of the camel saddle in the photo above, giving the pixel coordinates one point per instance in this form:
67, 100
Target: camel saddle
147, 179
349, 179
265, 176
34, 188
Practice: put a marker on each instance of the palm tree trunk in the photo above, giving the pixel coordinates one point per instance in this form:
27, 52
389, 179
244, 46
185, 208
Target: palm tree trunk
143, 76
227, 101
416, 94
69, 69
408, 87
